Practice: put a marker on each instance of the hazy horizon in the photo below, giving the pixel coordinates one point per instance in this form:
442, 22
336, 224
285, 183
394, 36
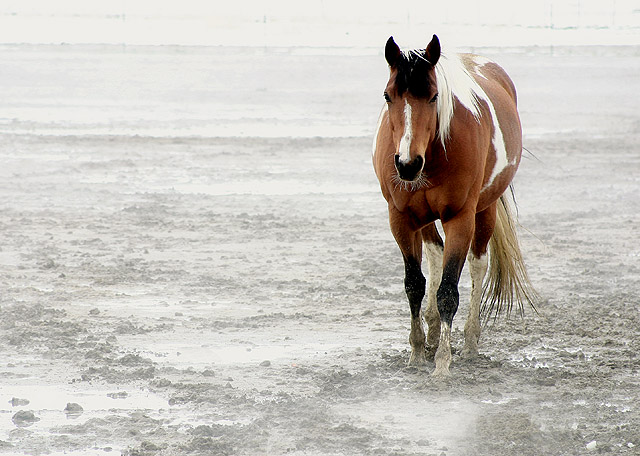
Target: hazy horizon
329, 23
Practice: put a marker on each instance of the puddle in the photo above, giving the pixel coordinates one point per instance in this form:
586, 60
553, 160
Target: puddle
48, 403
501, 401
85, 452
141, 303
261, 128
281, 187
183, 353
547, 357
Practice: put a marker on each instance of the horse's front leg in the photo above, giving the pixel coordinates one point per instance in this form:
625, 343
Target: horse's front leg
458, 234
414, 285
410, 243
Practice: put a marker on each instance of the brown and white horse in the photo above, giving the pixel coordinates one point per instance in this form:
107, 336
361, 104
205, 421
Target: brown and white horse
447, 146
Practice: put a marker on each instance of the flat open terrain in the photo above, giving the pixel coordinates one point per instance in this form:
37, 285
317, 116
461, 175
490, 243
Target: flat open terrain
194, 249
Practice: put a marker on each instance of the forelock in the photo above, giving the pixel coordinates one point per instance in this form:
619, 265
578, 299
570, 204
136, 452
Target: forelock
412, 74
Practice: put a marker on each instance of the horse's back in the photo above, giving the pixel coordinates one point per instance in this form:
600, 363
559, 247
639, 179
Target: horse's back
483, 67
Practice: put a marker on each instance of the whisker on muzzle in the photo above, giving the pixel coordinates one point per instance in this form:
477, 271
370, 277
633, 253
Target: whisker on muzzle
411, 186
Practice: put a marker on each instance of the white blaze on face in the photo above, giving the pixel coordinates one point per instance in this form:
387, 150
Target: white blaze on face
407, 137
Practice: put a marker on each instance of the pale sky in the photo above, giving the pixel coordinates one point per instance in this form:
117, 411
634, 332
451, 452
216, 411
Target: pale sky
318, 22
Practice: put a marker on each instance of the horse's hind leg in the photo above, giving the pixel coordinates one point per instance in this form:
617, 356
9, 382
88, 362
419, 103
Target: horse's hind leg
478, 262
433, 246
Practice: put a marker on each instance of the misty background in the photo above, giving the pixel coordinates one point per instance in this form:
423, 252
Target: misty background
319, 23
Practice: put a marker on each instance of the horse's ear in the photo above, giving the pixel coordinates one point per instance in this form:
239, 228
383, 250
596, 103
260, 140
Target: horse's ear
391, 52
432, 53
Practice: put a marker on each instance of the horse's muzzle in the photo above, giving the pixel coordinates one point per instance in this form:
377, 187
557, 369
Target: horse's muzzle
409, 171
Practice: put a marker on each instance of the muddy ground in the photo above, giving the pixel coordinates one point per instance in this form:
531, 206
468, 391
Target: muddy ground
194, 250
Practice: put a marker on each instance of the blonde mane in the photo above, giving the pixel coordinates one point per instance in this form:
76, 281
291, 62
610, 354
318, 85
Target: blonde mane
455, 80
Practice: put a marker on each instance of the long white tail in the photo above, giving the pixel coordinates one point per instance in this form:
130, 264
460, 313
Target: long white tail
507, 282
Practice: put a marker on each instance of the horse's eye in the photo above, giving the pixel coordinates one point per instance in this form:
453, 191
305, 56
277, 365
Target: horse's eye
435, 97
387, 97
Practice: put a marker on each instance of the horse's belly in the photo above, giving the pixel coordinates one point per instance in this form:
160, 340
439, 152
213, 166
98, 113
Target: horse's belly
495, 188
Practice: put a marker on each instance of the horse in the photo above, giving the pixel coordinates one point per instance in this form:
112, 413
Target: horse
447, 146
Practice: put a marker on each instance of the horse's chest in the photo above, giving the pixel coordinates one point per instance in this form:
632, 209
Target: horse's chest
416, 207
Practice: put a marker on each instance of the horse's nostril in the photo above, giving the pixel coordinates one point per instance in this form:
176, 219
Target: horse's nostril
409, 171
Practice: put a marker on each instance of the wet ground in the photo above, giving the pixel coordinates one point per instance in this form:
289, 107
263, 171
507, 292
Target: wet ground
195, 259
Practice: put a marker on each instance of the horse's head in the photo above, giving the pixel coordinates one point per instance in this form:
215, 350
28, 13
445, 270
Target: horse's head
411, 95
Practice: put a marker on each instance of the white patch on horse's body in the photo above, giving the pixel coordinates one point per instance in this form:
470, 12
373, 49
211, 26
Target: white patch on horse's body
384, 109
502, 160
479, 62
405, 142
455, 80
